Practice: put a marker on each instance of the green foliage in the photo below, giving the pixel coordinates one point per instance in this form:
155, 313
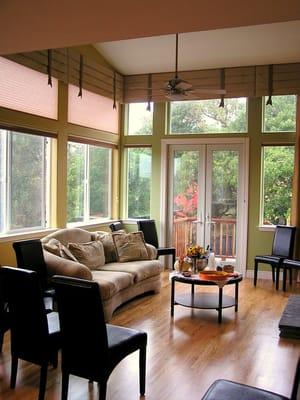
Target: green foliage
278, 176
281, 116
139, 182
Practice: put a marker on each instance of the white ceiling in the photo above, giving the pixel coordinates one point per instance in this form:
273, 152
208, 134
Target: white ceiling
274, 43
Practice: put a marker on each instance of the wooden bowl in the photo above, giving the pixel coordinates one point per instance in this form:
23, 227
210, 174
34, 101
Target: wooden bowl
214, 275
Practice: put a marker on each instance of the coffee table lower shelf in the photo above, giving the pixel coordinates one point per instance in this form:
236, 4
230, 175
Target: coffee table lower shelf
207, 301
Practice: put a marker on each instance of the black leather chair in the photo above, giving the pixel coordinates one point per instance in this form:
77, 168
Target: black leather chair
35, 335
4, 315
227, 390
29, 255
116, 226
289, 265
147, 226
283, 247
91, 348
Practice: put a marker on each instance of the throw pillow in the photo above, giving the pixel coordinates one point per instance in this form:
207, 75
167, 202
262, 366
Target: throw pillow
90, 254
130, 246
55, 247
108, 245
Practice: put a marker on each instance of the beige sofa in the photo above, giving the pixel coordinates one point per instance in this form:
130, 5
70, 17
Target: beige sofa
118, 281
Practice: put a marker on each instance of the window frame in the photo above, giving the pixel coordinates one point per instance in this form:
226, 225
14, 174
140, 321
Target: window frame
86, 186
6, 159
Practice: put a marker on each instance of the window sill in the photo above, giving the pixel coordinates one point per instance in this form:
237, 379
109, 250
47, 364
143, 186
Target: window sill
89, 225
266, 228
9, 237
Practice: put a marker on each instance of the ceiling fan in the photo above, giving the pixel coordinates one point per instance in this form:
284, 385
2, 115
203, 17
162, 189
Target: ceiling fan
178, 89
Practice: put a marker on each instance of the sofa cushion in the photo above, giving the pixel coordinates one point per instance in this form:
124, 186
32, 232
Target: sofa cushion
111, 283
130, 246
90, 254
108, 245
138, 270
55, 247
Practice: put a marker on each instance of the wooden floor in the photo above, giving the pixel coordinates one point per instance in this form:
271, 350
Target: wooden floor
186, 354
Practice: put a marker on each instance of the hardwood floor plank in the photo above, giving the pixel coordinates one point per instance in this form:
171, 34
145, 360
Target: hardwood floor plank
187, 353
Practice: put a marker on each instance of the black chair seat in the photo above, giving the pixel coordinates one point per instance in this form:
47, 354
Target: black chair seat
228, 390
269, 259
292, 263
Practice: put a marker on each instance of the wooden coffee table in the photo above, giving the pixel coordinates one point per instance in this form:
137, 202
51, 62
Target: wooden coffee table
208, 301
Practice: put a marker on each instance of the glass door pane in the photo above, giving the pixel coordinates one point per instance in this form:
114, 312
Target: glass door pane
221, 202
188, 201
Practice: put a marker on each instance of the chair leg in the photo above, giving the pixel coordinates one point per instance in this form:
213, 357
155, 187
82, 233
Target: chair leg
173, 259
1, 340
14, 369
54, 360
284, 279
102, 386
291, 276
64, 386
255, 272
142, 362
43, 381
273, 273
277, 276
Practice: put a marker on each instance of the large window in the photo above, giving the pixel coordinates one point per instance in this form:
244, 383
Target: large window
138, 182
278, 169
89, 182
281, 115
140, 120
205, 116
24, 183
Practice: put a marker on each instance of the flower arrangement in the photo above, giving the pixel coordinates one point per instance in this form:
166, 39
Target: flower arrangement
195, 251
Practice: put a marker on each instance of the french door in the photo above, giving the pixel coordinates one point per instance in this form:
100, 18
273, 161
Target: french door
206, 200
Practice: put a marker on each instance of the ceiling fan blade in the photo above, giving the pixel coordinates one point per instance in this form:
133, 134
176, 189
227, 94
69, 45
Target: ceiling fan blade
209, 90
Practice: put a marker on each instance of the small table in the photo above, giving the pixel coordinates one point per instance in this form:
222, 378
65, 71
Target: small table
207, 301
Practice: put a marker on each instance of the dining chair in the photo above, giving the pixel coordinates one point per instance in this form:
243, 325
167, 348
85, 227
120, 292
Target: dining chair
29, 255
223, 389
116, 226
289, 265
4, 315
35, 334
148, 227
91, 349
282, 248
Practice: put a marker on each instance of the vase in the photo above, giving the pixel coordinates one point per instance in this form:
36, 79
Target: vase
194, 265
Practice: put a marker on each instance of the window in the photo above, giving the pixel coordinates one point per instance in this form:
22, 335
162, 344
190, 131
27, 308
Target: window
278, 169
281, 115
92, 110
140, 121
205, 116
138, 182
24, 181
24, 89
89, 182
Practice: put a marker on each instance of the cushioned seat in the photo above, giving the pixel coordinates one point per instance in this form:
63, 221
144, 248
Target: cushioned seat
138, 270
111, 283
227, 390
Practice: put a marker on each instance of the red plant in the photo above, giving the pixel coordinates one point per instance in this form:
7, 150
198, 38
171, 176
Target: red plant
186, 203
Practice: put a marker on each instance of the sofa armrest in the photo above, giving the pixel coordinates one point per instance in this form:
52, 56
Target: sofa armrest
152, 251
61, 266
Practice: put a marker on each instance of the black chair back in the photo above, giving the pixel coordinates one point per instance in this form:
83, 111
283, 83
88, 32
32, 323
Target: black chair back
29, 254
4, 315
29, 326
283, 242
116, 226
148, 227
295, 390
83, 328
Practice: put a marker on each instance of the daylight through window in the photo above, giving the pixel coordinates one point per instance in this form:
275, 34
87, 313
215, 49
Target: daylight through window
24, 181
89, 182
140, 120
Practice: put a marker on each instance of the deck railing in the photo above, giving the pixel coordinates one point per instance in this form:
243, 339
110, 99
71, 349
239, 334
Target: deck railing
222, 241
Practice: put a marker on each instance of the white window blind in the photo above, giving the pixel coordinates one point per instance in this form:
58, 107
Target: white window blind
24, 89
92, 110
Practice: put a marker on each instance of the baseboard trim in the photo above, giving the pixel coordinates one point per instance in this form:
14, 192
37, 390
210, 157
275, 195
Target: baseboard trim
260, 275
